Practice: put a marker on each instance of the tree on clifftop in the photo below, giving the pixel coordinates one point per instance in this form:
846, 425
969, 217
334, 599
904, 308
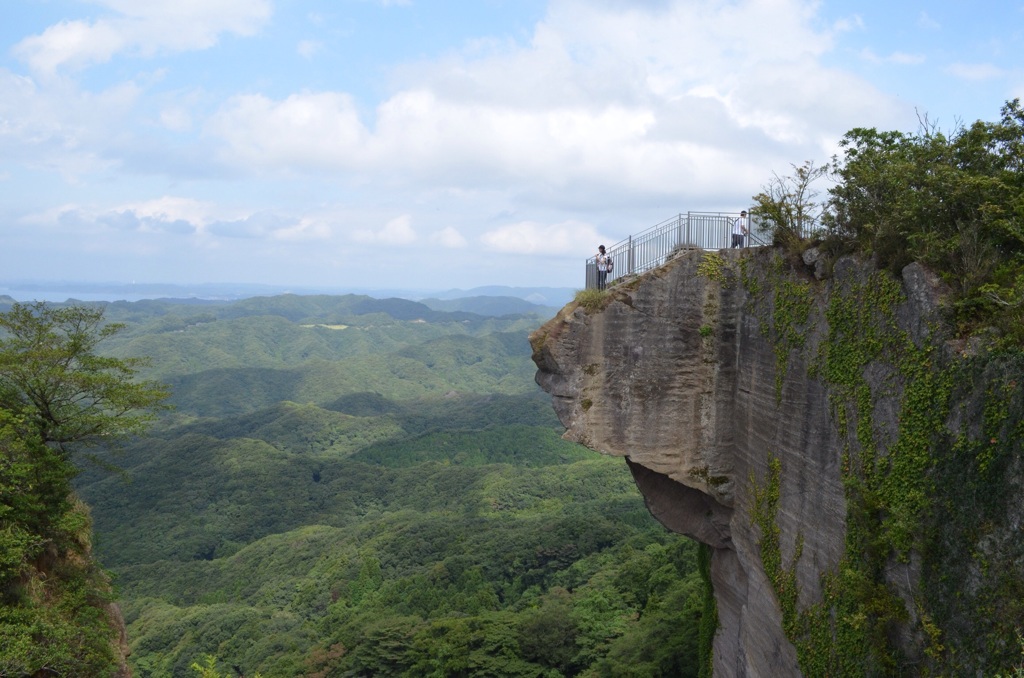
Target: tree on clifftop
51, 375
57, 396
952, 202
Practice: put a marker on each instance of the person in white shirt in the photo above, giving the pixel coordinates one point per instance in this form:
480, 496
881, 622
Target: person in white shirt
739, 230
602, 267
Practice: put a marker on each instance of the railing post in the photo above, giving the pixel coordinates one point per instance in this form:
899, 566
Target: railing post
630, 253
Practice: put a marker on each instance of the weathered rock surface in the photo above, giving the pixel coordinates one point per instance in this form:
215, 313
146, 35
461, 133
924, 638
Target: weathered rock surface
120, 644
685, 374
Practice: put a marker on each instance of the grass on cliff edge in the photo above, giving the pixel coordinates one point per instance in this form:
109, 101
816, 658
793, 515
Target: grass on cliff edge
592, 300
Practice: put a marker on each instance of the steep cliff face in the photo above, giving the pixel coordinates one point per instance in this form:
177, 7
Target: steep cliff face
56, 617
792, 425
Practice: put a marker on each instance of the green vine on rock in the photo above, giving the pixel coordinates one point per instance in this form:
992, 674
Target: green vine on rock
709, 614
887, 495
788, 322
712, 266
765, 516
849, 632
862, 331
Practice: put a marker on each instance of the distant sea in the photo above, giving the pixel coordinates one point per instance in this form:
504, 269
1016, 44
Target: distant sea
62, 296
63, 291
58, 291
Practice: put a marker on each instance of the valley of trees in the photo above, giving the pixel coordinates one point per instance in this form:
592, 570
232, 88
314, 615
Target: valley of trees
348, 486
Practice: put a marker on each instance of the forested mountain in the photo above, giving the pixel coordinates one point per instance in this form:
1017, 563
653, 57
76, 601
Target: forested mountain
488, 305
350, 486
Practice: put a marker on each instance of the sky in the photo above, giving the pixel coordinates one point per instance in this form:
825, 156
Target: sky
424, 144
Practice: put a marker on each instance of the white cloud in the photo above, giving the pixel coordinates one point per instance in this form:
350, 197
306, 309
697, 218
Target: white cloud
899, 58
530, 237
925, 21
176, 119
111, 224
906, 59
304, 230
307, 49
847, 24
172, 208
142, 29
70, 42
603, 99
168, 215
305, 131
398, 231
177, 216
60, 127
448, 237
976, 72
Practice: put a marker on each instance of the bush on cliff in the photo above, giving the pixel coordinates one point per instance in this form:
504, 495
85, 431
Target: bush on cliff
953, 202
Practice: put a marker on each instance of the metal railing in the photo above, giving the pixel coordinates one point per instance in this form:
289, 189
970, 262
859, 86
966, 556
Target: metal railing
653, 247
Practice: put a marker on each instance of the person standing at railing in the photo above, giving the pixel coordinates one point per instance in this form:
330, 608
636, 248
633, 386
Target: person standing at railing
603, 265
739, 230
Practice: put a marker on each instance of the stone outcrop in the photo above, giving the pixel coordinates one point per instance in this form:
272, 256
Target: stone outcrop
120, 643
706, 372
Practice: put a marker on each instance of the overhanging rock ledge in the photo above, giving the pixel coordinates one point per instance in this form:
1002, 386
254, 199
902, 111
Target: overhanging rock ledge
680, 373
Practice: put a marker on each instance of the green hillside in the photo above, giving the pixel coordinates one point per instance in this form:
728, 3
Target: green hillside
359, 487
491, 305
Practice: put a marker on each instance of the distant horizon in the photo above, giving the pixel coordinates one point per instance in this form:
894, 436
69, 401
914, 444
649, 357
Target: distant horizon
60, 291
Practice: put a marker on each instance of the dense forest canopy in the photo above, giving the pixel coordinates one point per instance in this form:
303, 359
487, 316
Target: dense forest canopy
349, 486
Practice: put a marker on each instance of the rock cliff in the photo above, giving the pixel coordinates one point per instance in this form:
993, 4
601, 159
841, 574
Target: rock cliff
799, 422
